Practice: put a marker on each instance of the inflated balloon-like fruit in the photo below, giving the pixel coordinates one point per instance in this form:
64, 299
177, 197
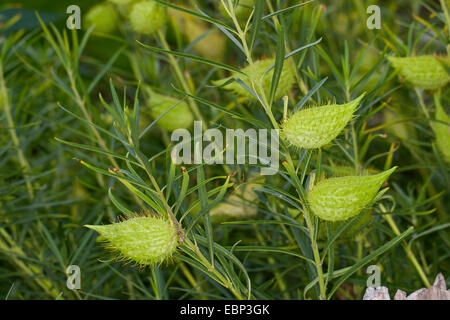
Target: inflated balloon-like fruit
209, 43
122, 2
143, 240
124, 6
337, 199
241, 203
399, 129
212, 46
237, 205
180, 117
315, 127
442, 131
242, 10
147, 17
103, 16
256, 74
426, 72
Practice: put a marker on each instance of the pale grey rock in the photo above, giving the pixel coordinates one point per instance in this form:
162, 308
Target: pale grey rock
380, 293
438, 291
400, 295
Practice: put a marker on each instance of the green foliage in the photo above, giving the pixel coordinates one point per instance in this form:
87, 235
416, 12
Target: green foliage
77, 147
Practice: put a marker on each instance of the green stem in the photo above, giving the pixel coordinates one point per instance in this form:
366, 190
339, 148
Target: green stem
447, 16
310, 226
174, 63
223, 281
267, 108
271, 261
4, 99
422, 103
32, 271
405, 246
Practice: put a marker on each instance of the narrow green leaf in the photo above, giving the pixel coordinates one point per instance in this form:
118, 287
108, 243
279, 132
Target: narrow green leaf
119, 204
194, 58
369, 258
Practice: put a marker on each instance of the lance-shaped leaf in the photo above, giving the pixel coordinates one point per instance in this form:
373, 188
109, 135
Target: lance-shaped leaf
341, 198
426, 72
315, 127
145, 240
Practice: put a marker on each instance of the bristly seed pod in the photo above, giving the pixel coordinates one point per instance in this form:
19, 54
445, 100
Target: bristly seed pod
256, 73
147, 17
104, 17
179, 117
122, 2
341, 198
315, 127
426, 72
145, 240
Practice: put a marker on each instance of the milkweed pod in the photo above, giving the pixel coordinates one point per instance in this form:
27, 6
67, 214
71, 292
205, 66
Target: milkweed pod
180, 117
147, 17
442, 132
256, 74
426, 72
242, 10
238, 205
315, 127
122, 2
212, 46
397, 127
103, 16
124, 6
144, 240
209, 43
337, 199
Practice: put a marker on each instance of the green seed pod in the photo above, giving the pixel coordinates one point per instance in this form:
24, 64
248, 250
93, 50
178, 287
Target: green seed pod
284, 85
147, 17
124, 6
122, 2
315, 127
104, 17
212, 46
237, 205
341, 198
180, 117
242, 10
442, 132
240, 204
426, 72
144, 240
